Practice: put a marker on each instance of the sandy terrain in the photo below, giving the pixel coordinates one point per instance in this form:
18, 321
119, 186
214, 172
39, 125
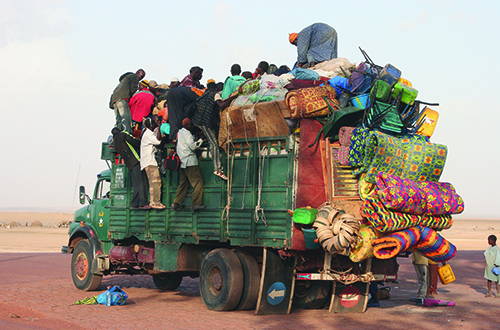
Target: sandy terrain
466, 234
31, 301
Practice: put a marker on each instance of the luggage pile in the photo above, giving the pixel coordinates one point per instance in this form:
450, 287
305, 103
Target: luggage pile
375, 129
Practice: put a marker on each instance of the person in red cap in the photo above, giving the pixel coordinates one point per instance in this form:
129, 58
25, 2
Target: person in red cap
190, 171
315, 44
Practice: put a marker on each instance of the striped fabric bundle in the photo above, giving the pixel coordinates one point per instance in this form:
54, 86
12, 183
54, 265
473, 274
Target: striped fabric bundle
434, 246
392, 244
426, 197
385, 220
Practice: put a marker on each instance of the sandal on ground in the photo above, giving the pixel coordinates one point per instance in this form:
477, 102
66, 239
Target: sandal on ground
489, 295
159, 206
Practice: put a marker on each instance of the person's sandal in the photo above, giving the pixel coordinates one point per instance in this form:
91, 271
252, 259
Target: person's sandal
176, 206
221, 175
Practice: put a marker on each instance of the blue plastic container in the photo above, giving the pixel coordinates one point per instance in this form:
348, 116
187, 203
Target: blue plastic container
361, 101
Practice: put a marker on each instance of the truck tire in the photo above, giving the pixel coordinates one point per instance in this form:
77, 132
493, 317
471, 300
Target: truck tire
311, 294
81, 263
167, 281
221, 280
251, 280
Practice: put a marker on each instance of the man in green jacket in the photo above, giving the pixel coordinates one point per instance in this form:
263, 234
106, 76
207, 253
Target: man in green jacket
128, 85
232, 83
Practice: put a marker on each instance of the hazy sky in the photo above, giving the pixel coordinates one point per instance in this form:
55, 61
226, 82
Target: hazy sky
61, 60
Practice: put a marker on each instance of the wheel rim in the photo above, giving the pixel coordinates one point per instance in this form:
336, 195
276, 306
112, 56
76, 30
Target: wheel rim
215, 281
81, 266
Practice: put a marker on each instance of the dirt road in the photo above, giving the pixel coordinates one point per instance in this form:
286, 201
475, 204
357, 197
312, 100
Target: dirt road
36, 292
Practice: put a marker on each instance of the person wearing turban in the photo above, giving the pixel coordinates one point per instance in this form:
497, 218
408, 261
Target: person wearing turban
315, 44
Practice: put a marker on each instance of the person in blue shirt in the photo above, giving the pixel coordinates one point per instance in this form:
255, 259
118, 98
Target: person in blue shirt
315, 44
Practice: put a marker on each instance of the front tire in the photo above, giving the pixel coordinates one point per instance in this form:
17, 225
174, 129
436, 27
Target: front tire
221, 280
81, 264
167, 281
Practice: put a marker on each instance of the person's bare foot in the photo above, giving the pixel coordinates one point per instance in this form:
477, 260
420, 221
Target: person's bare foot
489, 295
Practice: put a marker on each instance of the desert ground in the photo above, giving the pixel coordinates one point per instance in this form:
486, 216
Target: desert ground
36, 291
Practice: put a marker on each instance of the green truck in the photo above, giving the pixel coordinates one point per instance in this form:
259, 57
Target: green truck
244, 247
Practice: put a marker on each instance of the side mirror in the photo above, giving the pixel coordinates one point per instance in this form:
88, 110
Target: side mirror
82, 195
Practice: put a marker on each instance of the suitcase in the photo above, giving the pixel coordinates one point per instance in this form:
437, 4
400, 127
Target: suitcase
390, 74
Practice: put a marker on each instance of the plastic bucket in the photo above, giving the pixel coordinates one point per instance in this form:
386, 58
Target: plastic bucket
310, 239
361, 101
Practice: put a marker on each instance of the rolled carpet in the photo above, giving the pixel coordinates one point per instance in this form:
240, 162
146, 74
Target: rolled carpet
412, 157
390, 245
385, 220
422, 198
434, 246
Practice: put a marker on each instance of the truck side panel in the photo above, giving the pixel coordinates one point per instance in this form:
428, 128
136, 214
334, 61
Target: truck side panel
256, 177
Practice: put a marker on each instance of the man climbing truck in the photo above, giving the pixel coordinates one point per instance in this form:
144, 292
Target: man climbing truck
245, 247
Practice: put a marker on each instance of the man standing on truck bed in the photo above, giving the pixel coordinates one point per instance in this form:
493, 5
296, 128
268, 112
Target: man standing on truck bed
190, 171
315, 44
128, 147
129, 82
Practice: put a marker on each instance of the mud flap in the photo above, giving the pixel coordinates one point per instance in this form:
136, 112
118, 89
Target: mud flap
351, 298
276, 284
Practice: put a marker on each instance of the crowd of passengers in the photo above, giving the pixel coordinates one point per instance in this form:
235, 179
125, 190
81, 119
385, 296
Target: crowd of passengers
185, 113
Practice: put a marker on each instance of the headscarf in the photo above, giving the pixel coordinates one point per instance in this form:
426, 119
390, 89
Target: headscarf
292, 37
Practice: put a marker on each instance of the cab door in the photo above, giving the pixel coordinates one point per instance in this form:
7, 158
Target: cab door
99, 210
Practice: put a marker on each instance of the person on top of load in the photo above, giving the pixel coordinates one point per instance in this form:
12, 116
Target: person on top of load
315, 44
129, 83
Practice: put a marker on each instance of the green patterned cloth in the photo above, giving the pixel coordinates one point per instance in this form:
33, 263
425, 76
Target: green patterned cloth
87, 301
411, 157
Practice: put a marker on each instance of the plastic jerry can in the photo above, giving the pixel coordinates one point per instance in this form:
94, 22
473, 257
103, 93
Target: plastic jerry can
446, 274
382, 91
304, 215
390, 74
409, 93
405, 81
430, 121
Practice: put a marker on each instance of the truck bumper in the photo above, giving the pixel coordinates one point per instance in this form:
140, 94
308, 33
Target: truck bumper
65, 249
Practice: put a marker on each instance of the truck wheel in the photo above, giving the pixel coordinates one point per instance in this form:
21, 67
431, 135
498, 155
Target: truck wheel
167, 281
221, 280
81, 263
311, 294
251, 280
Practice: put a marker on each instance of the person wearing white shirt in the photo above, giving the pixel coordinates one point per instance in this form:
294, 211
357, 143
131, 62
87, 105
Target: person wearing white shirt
148, 162
190, 171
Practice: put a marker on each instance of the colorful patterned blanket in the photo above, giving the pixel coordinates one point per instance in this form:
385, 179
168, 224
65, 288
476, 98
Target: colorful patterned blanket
385, 220
411, 157
423, 198
422, 239
434, 246
391, 245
